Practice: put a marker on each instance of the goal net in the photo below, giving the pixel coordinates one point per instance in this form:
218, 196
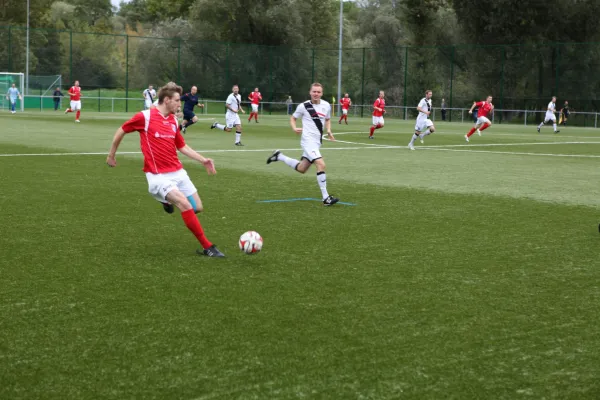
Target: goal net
6, 80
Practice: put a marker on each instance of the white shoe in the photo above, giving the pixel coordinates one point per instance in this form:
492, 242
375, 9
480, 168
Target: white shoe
478, 132
13, 112
421, 138
467, 138
77, 120
411, 147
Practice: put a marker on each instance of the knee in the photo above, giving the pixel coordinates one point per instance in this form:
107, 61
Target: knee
198, 209
432, 129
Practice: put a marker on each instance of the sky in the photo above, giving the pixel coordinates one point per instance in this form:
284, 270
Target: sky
116, 2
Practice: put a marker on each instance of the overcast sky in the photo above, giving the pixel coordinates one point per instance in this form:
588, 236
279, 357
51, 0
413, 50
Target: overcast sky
116, 2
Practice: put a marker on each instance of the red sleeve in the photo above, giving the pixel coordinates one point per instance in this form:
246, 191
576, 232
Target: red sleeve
70, 90
179, 140
137, 123
479, 104
376, 104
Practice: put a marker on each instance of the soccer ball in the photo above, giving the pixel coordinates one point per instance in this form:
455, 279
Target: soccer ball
251, 242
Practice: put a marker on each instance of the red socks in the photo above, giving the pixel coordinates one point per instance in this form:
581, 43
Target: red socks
193, 224
372, 131
77, 114
472, 131
250, 117
253, 114
69, 110
256, 117
484, 127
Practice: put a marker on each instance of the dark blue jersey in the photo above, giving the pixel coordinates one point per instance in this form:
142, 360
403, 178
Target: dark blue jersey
189, 102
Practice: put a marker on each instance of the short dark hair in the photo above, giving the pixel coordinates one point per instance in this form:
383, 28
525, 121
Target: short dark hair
169, 91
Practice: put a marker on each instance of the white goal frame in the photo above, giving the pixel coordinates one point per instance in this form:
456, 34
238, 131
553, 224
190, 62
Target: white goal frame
21, 87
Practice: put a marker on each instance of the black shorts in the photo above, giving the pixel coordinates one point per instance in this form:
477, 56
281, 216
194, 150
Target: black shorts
188, 115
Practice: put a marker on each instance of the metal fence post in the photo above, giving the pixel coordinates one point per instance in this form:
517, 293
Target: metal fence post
596, 121
525, 117
98, 99
502, 82
362, 101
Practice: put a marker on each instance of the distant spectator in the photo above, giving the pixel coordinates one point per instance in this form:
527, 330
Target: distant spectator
475, 110
57, 95
443, 110
289, 105
564, 114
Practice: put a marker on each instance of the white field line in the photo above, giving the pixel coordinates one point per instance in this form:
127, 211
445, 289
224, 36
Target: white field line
362, 146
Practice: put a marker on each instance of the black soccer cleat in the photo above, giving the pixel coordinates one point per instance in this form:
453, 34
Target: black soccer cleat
212, 251
273, 157
239, 144
556, 131
168, 208
183, 129
330, 200
538, 129
213, 126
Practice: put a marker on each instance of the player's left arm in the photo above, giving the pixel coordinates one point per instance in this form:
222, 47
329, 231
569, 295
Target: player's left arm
208, 163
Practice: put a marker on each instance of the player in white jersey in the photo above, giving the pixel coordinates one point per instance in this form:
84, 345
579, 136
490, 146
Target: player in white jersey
316, 117
12, 95
232, 117
149, 96
550, 116
424, 126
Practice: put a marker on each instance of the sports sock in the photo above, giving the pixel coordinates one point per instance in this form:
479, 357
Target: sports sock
540, 125
372, 130
379, 126
427, 132
472, 131
238, 136
193, 224
69, 110
220, 126
250, 117
484, 127
289, 161
341, 118
77, 114
256, 117
414, 137
190, 123
322, 181
554, 126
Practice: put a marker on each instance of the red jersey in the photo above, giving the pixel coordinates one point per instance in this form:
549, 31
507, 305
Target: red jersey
484, 108
255, 97
159, 139
345, 103
75, 93
381, 104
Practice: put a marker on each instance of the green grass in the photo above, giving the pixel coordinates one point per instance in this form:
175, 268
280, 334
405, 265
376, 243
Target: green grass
462, 272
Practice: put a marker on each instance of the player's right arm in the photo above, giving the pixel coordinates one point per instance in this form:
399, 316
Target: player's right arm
137, 123
475, 104
297, 114
421, 109
376, 105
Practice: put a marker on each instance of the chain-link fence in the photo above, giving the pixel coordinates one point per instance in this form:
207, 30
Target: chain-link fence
520, 77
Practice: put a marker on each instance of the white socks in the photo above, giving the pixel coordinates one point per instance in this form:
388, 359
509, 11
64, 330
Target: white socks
540, 125
289, 161
427, 132
322, 181
238, 137
220, 126
554, 126
414, 137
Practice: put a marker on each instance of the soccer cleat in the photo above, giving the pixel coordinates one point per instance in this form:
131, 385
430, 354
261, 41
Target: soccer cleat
183, 129
168, 208
467, 138
330, 200
538, 129
346, 122
67, 111
478, 132
411, 147
421, 138
273, 157
213, 126
556, 131
340, 122
77, 120
212, 251
371, 137
238, 144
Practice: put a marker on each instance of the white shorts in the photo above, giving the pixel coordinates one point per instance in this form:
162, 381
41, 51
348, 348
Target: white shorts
344, 111
159, 185
378, 120
550, 117
148, 103
423, 125
232, 119
254, 107
483, 120
312, 151
75, 105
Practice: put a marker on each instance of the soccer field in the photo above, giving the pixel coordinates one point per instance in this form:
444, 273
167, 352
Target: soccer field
456, 271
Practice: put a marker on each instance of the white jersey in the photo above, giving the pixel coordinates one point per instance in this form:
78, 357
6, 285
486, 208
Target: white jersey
149, 95
233, 101
424, 104
310, 132
551, 108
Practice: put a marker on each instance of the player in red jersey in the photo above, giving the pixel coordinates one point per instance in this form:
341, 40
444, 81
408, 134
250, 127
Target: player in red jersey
346, 103
255, 97
168, 182
378, 111
75, 94
483, 122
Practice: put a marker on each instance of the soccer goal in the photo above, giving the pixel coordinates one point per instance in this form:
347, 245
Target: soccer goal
6, 81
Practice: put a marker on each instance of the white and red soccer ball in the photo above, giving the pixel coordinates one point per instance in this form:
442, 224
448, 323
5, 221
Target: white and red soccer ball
251, 242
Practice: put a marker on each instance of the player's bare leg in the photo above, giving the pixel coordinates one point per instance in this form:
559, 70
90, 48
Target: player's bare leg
179, 200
